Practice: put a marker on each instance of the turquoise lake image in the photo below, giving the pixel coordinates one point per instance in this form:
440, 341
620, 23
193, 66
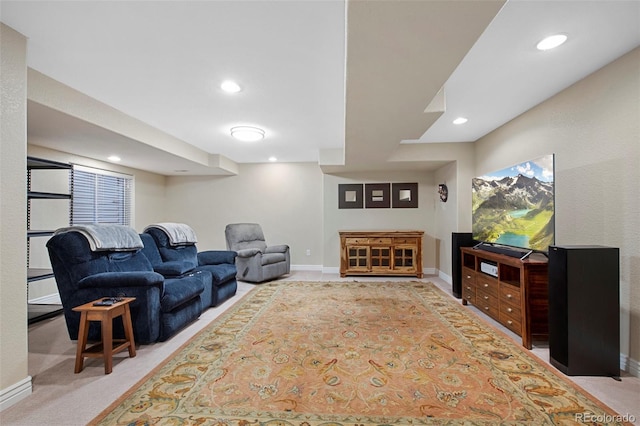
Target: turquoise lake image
511, 239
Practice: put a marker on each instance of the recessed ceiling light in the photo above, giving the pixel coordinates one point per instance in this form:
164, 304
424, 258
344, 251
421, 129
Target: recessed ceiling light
230, 86
273, 159
247, 133
552, 42
460, 120
114, 158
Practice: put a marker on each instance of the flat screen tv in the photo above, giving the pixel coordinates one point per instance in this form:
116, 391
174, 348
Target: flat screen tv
514, 207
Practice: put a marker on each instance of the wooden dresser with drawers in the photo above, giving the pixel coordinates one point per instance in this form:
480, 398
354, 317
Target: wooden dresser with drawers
512, 291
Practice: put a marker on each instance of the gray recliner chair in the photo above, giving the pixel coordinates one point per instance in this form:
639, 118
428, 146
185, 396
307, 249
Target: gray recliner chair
256, 262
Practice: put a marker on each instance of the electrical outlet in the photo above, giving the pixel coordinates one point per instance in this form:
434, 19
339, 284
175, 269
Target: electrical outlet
308, 252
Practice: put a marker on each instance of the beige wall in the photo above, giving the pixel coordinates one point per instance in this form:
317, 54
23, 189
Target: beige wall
285, 199
15, 382
446, 216
421, 218
593, 128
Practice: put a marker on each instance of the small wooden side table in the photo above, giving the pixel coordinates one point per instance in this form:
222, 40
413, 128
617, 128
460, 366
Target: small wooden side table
109, 345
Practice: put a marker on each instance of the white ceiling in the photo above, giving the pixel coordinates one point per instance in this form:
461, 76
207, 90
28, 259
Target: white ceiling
504, 75
317, 76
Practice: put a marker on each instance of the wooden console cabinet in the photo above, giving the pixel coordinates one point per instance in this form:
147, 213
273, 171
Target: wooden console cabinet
517, 297
381, 253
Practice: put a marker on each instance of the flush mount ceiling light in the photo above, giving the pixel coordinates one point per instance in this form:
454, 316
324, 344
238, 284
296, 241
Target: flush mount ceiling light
273, 159
230, 86
552, 42
460, 120
114, 158
247, 133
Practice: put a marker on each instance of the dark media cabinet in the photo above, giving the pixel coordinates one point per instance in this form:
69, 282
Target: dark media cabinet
515, 294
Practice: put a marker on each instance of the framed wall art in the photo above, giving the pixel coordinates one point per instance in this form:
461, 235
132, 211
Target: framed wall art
377, 195
350, 196
404, 195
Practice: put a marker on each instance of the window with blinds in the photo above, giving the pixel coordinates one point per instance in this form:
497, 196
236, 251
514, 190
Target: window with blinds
100, 196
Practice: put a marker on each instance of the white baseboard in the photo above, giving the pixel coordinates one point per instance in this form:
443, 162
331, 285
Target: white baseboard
15, 393
630, 365
50, 299
429, 271
330, 270
306, 267
444, 277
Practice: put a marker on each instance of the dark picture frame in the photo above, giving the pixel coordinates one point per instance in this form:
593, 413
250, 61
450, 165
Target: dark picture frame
377, 195
350, 196
404, 195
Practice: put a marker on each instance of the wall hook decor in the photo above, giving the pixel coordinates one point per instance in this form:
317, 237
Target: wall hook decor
444, 192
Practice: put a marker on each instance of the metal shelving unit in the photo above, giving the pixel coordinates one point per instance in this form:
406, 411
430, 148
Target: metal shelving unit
38, 312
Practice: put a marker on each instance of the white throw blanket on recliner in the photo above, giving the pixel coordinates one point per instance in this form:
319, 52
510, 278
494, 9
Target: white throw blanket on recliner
107, 237
178, 233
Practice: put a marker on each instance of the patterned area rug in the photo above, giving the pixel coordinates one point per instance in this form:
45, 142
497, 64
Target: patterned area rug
352, 353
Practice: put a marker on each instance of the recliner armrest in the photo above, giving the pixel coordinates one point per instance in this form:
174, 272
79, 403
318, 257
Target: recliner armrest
122, 279
282, 248
250, 252
173, 268
216, 257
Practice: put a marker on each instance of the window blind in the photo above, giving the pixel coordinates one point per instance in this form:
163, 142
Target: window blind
100, 196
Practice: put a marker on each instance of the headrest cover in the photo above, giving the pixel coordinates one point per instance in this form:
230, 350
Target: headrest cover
179, 234
107, 237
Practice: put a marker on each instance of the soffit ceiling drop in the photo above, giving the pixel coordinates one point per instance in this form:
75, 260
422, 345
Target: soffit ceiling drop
349, 79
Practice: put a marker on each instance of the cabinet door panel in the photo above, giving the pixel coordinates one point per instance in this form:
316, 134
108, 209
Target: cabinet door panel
404, 258
358, 258
380, 258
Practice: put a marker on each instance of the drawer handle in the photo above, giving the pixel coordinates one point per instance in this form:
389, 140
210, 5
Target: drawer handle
510, 322
509, 310
509, 296
486, 284
468, 276
486, 297
486, 308
468, 288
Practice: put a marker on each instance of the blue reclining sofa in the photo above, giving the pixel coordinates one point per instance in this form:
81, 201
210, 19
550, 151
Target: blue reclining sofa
94, 261
171, 248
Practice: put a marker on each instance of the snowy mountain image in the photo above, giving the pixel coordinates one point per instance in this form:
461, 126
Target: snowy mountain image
515, 206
